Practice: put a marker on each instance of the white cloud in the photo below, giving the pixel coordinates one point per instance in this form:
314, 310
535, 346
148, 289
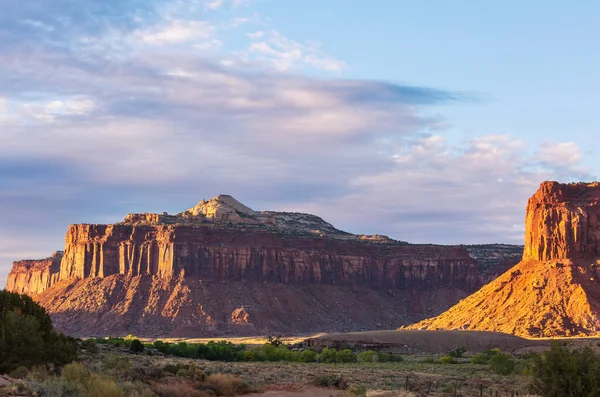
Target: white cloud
560, 154
214, 5
285, 54
238, 3
177, 31
256, 35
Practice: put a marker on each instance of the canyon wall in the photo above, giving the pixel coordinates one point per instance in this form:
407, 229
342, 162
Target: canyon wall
33, 276
223, 268
563, 221
216, 254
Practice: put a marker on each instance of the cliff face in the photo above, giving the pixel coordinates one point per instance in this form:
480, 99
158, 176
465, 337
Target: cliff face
555, 289
34, 276
217, 254
563, 221
175, 274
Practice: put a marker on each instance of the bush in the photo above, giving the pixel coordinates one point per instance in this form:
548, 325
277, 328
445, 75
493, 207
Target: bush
136, 346
366, 357
331, 381
428, 360
327, 355
502, 363
308, 356
447, 360
345, 356
228, 385
102, 387
563, 372
75, 372
457, 352
56, 387
27, 337
19, 373
90, 346
388, 357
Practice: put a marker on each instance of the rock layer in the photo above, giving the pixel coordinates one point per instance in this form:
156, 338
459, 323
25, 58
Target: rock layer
176, 274
555, 289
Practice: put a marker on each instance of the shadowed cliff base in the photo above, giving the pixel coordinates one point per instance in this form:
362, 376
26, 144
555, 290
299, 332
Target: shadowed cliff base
153, 307
555, 289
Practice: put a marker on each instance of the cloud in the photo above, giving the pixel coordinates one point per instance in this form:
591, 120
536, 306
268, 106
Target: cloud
560, 154
106, 118
286, 54
214, 5
177, 31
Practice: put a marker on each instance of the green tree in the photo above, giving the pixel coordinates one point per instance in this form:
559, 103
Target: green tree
560, 372
27, 337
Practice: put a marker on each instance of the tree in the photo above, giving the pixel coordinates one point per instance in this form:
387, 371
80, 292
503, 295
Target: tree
561, 372
27, 337
136, 346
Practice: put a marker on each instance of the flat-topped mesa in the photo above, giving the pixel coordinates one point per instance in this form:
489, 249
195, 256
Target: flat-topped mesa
563, 222
33, 276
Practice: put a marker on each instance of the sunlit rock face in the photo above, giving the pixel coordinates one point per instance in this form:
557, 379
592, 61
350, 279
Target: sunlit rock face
563, 221
555, 289
33, 276
223, 268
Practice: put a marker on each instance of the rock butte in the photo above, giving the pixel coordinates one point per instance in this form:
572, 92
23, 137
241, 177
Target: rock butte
555, 289
223, 268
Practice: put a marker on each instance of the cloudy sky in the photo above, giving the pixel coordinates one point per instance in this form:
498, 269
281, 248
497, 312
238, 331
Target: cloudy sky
426, 121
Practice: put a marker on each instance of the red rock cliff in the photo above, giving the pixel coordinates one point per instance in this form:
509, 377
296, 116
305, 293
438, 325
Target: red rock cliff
563, 221
220, 262
34, 276
555, 289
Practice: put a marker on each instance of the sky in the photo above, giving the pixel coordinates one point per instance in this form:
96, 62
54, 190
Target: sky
427, 121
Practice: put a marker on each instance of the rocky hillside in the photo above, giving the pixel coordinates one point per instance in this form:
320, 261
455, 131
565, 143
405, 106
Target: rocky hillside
555, 289
222, 268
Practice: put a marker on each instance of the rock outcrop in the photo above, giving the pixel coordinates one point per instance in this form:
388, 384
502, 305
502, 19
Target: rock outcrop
221, 267
555, 289
33, 276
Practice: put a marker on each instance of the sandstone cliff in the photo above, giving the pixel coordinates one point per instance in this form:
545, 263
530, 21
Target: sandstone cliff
221, 267
555, 289
33, 276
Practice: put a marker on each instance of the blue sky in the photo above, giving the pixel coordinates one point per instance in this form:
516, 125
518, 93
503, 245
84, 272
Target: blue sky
426, 121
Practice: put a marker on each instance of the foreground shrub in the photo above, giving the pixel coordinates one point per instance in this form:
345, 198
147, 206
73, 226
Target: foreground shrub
331, 381
99, 386
27, 337
561, 372
388, 357
75, 372
228, 385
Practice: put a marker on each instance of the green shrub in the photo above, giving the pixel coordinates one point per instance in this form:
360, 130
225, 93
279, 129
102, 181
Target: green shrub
136, 346
27, 337
345, 356
327, 355
388, 357
447, 360
563, 372
428, 360
308, 356
457, 352
502, 363
366, 357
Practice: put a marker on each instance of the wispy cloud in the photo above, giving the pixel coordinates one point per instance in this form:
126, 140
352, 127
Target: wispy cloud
286, 54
